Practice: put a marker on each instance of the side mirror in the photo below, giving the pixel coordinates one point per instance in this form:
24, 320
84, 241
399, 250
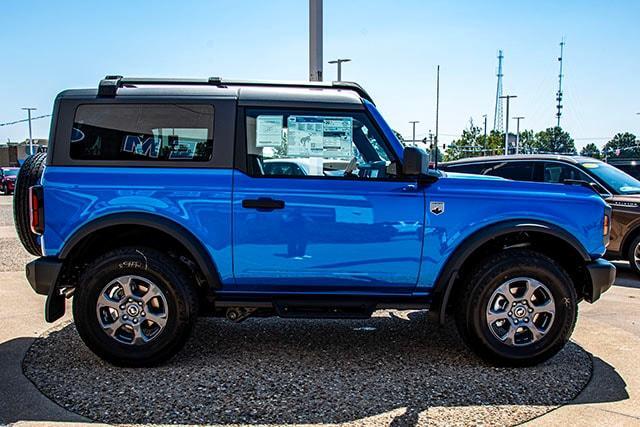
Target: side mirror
415, 162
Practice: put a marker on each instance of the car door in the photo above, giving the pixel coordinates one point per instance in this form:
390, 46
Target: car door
360, 230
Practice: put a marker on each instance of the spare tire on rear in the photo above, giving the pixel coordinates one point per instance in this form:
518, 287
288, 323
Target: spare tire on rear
29, 175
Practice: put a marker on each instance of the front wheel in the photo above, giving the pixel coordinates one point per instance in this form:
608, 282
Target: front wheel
134, 307
519, 308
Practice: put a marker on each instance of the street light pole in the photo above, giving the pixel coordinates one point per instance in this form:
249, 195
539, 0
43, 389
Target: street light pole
315, 40
413, 122
518, 118
29, 109
506, 134
339, 62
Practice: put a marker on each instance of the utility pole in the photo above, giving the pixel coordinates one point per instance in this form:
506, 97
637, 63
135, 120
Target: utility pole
437, 114
430, 141
560, 76
506, 134
485, 128
518, 118
29, 110
339, 62
497, 115
413, 122
315, 40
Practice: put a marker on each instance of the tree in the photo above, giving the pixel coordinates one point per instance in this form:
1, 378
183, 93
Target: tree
626, 142
554, 140
590, 150
527, 143
472, 143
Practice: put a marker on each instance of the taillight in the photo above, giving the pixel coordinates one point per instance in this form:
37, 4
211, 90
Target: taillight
36, 209
606, 229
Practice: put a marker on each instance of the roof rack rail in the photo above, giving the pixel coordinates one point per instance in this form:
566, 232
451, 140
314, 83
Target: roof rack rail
109, 86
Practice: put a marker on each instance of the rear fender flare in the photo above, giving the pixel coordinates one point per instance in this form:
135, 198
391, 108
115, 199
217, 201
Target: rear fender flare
196, 248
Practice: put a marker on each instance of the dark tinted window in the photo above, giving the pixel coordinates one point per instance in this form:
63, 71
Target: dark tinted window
517, 171
559, 173
282, 169
143, 132
475, 168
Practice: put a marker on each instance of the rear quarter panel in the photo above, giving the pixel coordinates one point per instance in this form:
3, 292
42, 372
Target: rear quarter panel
198, 199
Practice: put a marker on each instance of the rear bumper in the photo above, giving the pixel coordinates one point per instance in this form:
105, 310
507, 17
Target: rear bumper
42, 274
602, 274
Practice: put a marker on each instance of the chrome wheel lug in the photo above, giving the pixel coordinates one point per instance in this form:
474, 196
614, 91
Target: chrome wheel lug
130, 300
144, 314
510, 314
125, 317
526, 319
531, 310
140, 303
135, 320
122, 307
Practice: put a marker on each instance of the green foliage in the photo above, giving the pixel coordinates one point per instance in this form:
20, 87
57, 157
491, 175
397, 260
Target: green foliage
554, 140
626, 142
591, 150
473, 143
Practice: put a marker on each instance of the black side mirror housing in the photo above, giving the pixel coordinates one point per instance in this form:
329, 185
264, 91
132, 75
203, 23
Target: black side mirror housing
415, 162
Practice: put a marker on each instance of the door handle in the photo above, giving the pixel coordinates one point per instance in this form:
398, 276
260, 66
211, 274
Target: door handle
263, 204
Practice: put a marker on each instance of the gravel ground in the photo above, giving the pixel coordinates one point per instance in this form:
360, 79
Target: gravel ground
6, 210
13, 257
394, 368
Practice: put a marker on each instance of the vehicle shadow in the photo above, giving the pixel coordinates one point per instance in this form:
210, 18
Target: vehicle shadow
625, 276
265, 371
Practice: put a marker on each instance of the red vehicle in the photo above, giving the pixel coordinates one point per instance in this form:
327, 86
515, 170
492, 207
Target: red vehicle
8, 180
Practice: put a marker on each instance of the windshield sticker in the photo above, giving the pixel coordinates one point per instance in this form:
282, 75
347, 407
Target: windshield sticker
269, 131
591, 165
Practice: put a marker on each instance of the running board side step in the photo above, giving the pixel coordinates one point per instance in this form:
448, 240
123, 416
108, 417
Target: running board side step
323, 309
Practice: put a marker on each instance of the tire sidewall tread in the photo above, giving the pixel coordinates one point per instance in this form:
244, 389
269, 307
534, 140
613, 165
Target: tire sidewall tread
496, 269
167, 274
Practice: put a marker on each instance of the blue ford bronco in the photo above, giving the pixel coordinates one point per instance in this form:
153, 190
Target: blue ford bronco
163, 200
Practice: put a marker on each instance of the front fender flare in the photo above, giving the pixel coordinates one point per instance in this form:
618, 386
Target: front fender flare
449, 273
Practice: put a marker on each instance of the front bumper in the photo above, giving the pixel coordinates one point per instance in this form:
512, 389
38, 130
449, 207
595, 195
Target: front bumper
602, 274
42, 274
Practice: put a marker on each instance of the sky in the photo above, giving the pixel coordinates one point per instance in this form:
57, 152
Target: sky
395, 46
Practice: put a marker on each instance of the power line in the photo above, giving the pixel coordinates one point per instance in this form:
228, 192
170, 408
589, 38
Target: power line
24, 120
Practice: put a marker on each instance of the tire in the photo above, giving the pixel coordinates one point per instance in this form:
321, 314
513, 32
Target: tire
117, 342
28, 176
485, 289
5, 190
635, 265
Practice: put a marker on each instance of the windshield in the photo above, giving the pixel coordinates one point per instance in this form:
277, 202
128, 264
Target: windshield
10, 172
613, 177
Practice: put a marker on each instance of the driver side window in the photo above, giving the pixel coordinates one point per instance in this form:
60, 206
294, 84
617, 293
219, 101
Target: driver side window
331, 144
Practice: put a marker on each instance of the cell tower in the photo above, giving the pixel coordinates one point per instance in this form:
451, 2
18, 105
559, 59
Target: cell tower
497, 116
560, 76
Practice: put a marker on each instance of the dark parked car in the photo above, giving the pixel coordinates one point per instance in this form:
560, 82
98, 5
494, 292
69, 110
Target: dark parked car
620, 190
8, 180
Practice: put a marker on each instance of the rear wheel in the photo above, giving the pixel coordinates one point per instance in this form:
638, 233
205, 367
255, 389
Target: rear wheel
519, 308
134, 307
29, 175
5, 189
633, 255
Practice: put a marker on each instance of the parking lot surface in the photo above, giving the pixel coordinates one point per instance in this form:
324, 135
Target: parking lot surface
393, 369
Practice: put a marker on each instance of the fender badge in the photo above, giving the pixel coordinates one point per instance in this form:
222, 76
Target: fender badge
436, 208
